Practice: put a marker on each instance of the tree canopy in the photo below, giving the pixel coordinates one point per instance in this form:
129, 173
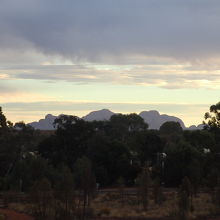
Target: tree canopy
212, 118
110, 150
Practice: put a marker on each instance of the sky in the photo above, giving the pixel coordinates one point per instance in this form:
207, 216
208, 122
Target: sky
76, 56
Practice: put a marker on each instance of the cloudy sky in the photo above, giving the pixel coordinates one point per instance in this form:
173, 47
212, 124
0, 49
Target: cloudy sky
75, 56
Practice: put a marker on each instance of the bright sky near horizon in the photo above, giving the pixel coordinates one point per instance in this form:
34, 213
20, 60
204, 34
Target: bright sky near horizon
77, 56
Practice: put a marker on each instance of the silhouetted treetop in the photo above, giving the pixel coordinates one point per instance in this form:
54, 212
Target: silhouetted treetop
212, 118
3, 121
170, 127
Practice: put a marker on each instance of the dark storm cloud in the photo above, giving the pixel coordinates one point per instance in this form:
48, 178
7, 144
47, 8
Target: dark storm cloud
101, 30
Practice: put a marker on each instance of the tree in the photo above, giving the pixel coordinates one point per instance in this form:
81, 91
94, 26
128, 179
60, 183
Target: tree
146, 144
183, 205
122, 125
65, 194
4, 124
157, 191
69, 142
144, 182
170, 127
110, 158
179, 162
41, 194
212, 124
85, 180
185, 199
3, 121
212, 118
121, 189
200, 139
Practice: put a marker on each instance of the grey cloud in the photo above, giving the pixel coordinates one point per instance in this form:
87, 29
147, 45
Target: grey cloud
100, 29
90, 106
165, 76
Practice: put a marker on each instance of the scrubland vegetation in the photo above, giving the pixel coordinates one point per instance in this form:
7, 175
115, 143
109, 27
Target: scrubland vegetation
64, 175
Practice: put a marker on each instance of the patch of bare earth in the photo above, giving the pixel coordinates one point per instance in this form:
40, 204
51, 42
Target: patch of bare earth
113, 204
13, 215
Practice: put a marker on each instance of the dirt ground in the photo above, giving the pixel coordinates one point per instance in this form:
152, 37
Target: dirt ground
117, 203
12, 215
112, 204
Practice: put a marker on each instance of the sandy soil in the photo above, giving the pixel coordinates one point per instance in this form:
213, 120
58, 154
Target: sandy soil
12, 215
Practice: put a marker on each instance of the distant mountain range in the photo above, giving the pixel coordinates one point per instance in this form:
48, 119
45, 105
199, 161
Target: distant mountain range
100, 115
153, 118
44, 124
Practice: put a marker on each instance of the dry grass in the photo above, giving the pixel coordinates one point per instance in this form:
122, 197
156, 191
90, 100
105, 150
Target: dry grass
202, 204
21, 207
111, 205
2, 217
114, 205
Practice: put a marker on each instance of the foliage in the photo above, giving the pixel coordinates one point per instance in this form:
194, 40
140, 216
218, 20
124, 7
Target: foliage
157, 191
61, 170
144, 183
170, 127
185, 199
3, 122
212, 118
65, 198
180, 161
85, 181
104, 151
41, 197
